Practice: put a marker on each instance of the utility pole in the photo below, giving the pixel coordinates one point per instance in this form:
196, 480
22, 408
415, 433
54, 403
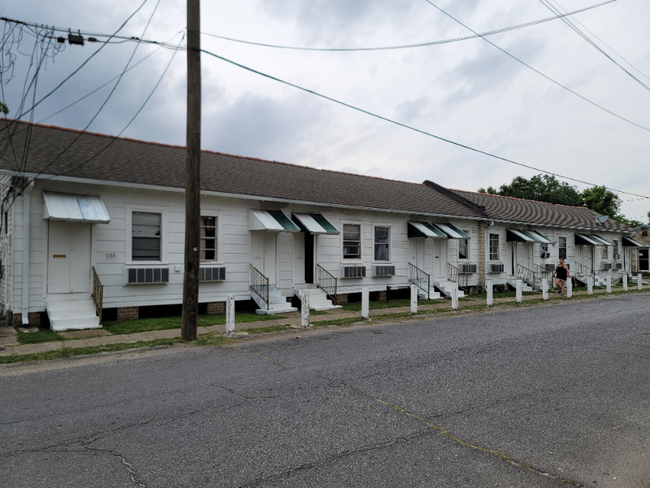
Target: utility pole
192, 174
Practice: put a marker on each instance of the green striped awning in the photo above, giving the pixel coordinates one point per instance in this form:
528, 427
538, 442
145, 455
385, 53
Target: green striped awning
424, 229
452, 231
314, 223
270, 220
629, 242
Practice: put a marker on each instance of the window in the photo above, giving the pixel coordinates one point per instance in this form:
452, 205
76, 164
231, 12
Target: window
605, 254
562, 247
463, 248
494, 247
145, 231
351, 241
615, 250
644, 233
208, 239
382, 239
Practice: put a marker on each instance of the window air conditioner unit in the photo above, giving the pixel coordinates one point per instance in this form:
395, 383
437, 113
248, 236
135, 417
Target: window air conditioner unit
213, 273
619, 265
383, 271
140, 276
468, 268
497, 268
353, 271
605, 266
546, 255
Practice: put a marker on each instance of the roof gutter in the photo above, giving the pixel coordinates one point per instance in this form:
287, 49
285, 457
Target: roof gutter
27, 208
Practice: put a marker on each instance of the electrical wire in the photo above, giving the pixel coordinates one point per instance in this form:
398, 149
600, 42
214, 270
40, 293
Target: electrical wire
400, 124
592, 43
537, 71
111, 80
407, 46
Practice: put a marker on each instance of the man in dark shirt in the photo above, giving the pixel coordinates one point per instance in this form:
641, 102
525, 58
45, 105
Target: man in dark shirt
561, 274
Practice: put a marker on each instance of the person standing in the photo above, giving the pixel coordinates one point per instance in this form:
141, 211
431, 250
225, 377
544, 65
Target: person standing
561, 274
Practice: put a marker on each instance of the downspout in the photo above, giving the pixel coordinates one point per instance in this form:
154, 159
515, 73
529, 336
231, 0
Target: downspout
27, 201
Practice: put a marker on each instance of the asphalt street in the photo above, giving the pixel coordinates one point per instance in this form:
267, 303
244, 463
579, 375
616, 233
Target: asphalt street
553, 395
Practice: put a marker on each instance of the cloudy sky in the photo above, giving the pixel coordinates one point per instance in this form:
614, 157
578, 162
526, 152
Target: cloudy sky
466, 91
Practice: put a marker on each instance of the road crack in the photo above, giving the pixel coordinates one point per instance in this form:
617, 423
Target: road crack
452, 437
260, 355
127, 465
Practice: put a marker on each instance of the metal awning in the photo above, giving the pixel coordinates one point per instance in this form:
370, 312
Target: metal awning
539, 237
270, 220
424, 229
629, 242
591, 240
452, 232
75, 208
314, 223
518, 235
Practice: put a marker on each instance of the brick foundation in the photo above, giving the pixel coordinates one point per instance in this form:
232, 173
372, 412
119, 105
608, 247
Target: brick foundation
128, 313
34, 319
215, 308
341, 299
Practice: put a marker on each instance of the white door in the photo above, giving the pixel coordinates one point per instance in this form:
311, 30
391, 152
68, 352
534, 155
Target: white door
439, 258
299, 258
68, 258
265, 255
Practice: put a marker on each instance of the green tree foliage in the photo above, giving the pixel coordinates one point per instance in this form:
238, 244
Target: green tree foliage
542, 188
4, 109
602, 201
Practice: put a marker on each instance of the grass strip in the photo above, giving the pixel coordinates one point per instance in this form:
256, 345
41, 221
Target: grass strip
262, 330
39, 337
210, 339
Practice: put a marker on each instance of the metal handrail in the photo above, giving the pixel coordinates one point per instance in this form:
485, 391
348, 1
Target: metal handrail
419, 278
582, 270
455, 275
260, 285
326, 282
542, 273
97, 295
527, 275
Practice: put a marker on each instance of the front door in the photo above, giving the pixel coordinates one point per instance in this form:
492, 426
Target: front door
68, 268
265, 255
439, 258
644, 261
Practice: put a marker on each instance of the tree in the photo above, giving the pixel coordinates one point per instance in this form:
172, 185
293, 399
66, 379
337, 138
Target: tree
4, 109
542, 188
602, 201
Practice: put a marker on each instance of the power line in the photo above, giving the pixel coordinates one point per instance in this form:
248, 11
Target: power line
400, 124
537, 71
407, 46
592, 43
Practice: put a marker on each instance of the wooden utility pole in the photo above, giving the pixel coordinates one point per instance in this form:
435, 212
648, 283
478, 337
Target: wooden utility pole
192, 174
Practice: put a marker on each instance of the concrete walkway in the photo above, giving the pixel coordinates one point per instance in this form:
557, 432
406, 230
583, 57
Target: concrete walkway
98, 337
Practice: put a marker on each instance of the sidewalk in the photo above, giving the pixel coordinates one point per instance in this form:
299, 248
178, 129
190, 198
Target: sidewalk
100, 337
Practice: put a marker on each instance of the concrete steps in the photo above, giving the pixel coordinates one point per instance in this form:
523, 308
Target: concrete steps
317, 299
445, 287
76, 314
277, 303
525, 286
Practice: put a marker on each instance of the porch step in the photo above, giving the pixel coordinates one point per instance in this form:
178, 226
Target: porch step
525, 286
445, 287
71, 314
317, 299
277, 303
433, 294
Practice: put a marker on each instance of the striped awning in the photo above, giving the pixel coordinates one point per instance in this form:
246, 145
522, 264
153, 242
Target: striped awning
270, 220
521, 235
75, 208
629, 242
591, 240
314, 223
424, 229
452, 231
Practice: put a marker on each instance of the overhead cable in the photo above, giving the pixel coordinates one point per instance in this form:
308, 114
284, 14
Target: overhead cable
406, 46
537, 71
400, 124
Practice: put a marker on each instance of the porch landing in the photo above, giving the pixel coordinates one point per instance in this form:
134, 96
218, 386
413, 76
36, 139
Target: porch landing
71, 313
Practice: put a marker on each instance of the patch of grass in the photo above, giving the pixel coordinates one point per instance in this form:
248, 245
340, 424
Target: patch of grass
262, 330
318, 312
165, 323
343, 322
379, 305
68, 352
212, 339
43, 335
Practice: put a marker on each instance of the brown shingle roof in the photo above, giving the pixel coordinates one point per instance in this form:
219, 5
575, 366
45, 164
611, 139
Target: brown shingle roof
138, 162
541, 213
